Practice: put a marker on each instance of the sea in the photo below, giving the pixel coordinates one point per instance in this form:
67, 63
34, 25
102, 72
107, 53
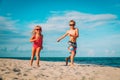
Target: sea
101, 61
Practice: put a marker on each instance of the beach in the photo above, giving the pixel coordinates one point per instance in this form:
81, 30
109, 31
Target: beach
13, 69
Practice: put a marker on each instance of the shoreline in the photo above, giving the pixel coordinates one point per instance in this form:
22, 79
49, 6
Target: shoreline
14, 69
101, 61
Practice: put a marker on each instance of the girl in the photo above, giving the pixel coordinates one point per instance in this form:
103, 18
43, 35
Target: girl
37, 39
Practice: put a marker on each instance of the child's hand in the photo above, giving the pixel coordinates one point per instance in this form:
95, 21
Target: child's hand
58, 40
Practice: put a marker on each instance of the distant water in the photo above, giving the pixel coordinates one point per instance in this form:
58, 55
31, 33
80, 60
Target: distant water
102, 61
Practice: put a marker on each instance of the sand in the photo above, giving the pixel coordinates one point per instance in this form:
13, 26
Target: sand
12, 69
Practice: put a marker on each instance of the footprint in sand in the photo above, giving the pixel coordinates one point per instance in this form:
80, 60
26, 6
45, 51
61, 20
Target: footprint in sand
16, 70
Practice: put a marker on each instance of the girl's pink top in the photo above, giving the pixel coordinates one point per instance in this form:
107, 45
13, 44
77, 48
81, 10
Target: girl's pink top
38, 42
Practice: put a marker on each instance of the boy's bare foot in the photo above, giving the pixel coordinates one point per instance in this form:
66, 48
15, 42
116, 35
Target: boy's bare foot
30, 64
72, 65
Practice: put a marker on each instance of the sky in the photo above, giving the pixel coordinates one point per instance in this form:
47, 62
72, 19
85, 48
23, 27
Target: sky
98, 22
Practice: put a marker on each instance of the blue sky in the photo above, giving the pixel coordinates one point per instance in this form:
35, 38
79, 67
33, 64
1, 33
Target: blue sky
98, 23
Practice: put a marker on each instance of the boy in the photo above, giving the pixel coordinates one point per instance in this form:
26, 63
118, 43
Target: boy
73, 33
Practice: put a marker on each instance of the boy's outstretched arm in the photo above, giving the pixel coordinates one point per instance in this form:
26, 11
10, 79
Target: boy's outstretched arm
62, 37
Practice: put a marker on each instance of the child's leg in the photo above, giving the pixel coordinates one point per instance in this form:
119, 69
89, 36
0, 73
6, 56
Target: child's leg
38, 55
67, 60
72, 57
70, 48
32, 56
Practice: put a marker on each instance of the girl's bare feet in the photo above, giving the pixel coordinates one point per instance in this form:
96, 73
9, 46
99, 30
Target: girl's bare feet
72, 65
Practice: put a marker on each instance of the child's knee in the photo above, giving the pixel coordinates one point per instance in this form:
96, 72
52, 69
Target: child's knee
37, 56
32, 57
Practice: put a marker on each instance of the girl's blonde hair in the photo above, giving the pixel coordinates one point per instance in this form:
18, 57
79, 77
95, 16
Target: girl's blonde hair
33, 32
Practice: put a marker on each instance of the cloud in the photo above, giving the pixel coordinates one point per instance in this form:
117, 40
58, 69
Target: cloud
6, 29
10, 35
110, 53
110, 41
60, 20
91, 52
7, 23
14, 39
107, 51
10, 26
99, 42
